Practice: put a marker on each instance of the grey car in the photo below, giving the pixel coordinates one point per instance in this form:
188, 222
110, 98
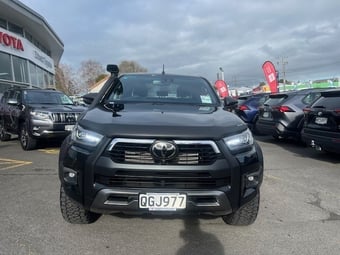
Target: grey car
282, 114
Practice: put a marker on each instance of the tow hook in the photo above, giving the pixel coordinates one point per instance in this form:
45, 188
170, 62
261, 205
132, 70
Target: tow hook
318, 148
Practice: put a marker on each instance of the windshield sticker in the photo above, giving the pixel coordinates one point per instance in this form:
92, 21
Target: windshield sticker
65, 99
205, 109
206, 99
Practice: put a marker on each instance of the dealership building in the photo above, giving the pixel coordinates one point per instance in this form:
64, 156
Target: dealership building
29, 48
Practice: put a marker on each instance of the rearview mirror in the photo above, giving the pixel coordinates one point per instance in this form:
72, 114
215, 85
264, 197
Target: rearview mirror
12, 101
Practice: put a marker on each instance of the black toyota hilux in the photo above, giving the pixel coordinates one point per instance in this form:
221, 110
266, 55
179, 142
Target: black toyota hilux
159, 144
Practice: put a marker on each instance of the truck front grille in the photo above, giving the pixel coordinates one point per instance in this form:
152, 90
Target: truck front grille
168, 179
129, 151
65, 117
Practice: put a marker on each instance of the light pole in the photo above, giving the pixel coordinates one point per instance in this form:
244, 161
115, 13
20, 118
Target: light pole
283, 66
222, 73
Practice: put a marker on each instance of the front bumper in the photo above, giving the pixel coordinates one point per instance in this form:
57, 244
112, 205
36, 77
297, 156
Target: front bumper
275, 129
228, 186
122, 200
322, 140
48, 129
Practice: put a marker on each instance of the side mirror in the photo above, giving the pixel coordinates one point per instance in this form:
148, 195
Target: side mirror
12, 101
230, 104
88, 98
229, 101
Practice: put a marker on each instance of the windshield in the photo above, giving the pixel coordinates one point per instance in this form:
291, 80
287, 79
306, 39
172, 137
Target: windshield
46, 97
163, 89
275, 99
330, 103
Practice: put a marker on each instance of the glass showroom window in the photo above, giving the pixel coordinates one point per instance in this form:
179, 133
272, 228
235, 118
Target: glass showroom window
33, 74
3, 23
15, 29
51, 80
48, 80
4, 87
40, 75
5, 67
20, 70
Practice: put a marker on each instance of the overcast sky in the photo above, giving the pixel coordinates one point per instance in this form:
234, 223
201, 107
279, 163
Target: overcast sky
199, 36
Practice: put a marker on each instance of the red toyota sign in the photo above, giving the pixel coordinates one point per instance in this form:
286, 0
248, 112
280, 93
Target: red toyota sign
11, 41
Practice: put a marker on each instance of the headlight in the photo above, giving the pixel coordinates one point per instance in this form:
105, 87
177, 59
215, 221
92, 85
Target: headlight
40, 115
240, 142
86, 137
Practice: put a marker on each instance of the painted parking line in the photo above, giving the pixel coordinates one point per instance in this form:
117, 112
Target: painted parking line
269, 176
12, 163
50, 151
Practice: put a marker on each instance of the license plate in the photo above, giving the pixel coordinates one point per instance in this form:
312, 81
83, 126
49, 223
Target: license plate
69, 127
321, 120
162, 201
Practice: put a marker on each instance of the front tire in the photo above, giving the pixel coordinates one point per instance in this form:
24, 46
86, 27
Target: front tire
27, 142
279, 137
3, 135
245, 215
74, 212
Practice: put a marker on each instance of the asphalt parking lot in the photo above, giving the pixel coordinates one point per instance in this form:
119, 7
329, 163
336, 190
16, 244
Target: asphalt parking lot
299, 211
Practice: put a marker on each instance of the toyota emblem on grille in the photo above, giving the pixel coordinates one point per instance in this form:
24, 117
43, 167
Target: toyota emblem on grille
163, 150
70, 117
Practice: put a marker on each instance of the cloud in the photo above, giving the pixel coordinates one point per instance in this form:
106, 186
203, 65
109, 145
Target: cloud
199, 36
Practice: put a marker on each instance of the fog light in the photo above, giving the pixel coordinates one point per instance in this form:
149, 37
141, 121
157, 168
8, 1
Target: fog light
70, 176
251, 178
251, 181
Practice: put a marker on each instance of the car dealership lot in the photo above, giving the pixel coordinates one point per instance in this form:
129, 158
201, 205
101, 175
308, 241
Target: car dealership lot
299, 211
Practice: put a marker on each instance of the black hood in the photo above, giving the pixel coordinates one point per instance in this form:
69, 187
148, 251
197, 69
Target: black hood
164, 120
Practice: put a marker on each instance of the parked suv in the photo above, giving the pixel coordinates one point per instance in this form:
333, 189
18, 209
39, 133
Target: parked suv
248, 109
35, 114
322, 122
159, 144
282, 115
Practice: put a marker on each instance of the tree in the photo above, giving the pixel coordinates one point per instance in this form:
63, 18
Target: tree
66, 80
101, 77
89, 71
131, 67
59, 79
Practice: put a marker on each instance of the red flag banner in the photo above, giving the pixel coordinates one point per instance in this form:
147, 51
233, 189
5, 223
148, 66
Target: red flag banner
222, 88
270, 75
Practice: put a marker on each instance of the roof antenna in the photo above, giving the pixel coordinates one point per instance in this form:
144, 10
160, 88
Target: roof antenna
163, 72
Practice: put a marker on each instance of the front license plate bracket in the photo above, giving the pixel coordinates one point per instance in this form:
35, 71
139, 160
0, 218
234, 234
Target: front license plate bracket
162, 201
